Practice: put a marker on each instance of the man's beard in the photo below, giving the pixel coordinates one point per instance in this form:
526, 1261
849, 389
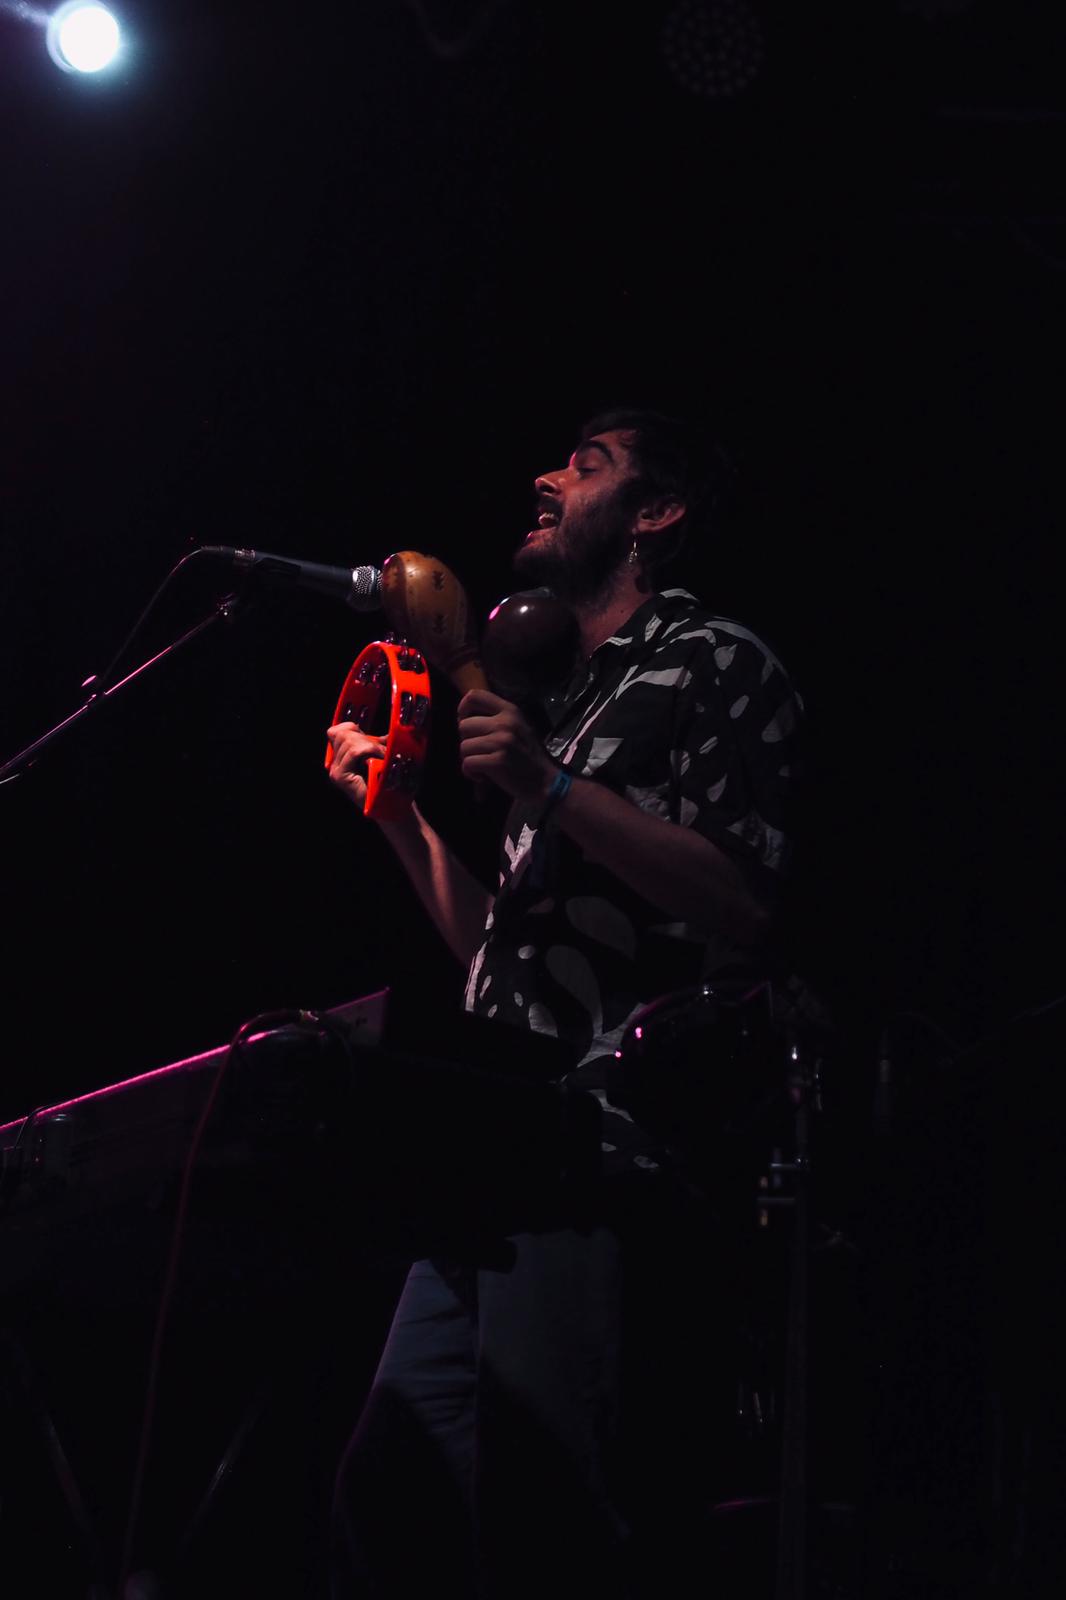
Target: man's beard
580, 566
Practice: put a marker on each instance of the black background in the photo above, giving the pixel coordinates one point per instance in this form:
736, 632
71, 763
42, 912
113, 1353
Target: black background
338, 285
342, 282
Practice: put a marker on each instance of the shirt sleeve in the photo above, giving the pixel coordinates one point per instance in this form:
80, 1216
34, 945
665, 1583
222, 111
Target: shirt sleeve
736, 754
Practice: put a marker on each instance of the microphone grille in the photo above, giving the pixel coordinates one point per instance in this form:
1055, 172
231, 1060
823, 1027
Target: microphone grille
366, 588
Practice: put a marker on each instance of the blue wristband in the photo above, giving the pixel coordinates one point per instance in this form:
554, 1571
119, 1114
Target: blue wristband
561, 786
538, 866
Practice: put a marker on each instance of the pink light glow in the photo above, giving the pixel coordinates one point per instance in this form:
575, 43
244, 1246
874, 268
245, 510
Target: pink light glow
743, 1505
117, 1088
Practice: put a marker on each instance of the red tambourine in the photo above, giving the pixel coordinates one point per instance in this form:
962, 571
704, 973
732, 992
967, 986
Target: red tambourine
399, 672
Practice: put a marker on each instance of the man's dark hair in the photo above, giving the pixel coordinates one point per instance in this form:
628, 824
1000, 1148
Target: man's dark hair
673, 457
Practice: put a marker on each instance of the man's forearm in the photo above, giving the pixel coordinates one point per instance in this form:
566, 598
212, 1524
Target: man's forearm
673, 868
457, 903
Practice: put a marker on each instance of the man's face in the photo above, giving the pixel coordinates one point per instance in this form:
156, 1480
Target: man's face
585, 517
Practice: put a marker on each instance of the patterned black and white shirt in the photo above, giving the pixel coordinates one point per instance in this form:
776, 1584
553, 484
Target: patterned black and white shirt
691, 717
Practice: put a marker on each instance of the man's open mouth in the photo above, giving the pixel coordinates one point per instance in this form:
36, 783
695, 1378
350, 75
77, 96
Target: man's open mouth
547, 519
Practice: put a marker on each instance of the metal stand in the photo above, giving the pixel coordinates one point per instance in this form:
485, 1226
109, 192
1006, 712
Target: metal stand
794, 1510
100, 696
21, 1370
143, 1583
224, 1470
695, 1067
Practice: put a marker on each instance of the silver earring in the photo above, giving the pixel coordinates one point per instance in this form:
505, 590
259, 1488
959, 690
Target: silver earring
633, 557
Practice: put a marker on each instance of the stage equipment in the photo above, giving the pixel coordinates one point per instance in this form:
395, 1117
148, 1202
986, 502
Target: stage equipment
376, 1132
710, 1072
83, 37
730, 1088
102, 688
358, 587
433, 1128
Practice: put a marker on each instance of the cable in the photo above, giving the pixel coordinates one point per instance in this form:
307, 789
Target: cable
101, 680
266, 1021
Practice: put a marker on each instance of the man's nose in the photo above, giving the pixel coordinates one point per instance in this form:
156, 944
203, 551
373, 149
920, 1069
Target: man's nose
547, 483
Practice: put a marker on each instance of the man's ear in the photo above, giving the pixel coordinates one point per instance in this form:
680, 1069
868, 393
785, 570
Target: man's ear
658, 515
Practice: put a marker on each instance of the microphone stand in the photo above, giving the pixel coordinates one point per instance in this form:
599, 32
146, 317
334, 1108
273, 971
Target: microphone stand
223, 611
794, 1505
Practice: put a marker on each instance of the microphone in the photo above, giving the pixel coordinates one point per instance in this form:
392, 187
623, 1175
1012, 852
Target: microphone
358, 587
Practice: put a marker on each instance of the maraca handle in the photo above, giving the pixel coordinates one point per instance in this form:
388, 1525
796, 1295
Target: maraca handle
469, 675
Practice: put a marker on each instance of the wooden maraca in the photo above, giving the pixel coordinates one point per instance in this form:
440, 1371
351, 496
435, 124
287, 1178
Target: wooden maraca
530, 647
426, 604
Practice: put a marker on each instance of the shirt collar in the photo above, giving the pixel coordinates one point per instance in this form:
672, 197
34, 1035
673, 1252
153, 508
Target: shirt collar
629, 638
662, 604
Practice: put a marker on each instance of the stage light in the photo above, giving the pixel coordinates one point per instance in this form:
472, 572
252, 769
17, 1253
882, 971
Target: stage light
83, 37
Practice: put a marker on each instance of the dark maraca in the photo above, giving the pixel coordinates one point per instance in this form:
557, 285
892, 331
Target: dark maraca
530, 645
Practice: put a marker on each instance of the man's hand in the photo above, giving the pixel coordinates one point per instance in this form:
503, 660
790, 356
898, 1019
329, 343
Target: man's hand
351, 748
496, 742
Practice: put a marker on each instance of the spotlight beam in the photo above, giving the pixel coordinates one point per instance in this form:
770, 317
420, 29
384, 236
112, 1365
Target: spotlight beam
25, 12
